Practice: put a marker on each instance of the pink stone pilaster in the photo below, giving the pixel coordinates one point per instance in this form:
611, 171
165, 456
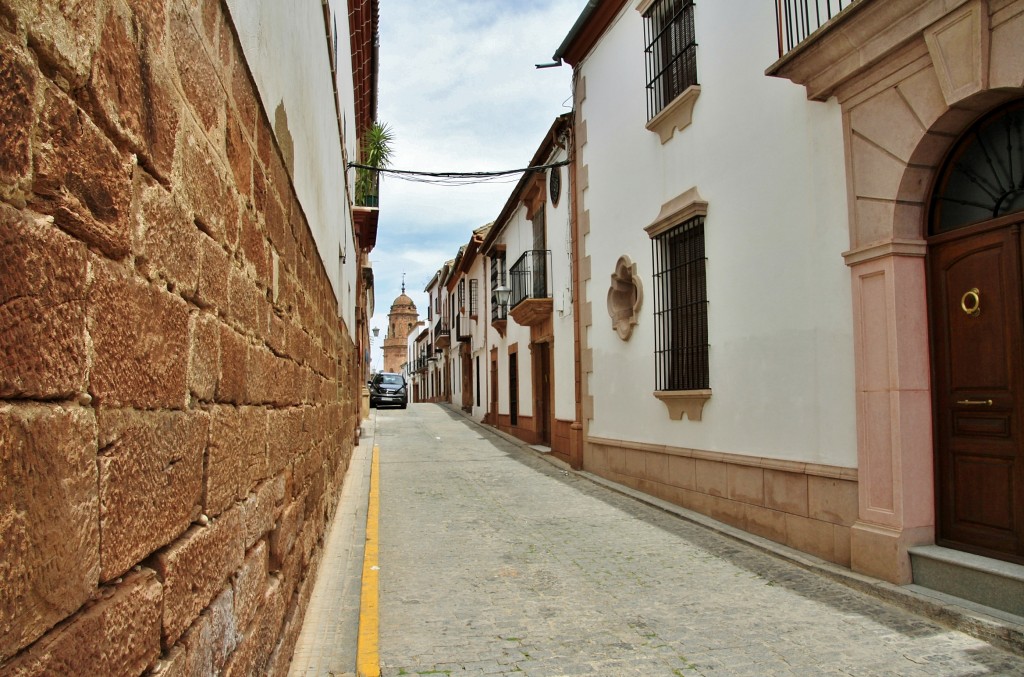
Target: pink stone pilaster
894, 423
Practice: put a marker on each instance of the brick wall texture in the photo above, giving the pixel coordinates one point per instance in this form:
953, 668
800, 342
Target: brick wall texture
177, 393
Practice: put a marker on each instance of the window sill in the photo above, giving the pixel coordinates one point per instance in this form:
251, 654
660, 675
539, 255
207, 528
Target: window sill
676, 115
679, 402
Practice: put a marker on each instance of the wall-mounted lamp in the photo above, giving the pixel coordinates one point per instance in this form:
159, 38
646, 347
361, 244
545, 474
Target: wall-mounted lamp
502, 295
376, 332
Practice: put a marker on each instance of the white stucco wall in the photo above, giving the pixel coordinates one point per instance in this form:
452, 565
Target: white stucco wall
560, 243
517, 236
769, 163
287, 48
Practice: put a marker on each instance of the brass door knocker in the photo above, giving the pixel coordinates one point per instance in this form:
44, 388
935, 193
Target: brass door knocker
970, 302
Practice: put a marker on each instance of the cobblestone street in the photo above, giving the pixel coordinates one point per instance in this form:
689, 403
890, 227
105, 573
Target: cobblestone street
495, 561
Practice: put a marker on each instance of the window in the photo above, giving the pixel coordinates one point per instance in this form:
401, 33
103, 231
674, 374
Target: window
473, 284
497, 280
681, 308
671, 51
462, 295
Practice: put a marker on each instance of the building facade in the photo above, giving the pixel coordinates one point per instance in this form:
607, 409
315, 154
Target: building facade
932, 149
717, 332
800, 292
531, 344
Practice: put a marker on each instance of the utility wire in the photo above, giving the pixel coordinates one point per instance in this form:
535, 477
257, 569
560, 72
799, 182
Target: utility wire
458, 178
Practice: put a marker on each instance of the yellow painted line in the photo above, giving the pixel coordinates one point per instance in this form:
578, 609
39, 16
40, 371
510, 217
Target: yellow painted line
368, 649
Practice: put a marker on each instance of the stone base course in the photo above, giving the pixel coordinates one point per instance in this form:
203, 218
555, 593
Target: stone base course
178, 398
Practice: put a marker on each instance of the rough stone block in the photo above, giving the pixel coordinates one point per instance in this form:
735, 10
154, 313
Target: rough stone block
239, 155
213, 637
129, 90
151, 481
213, 275
195, 569
203, 186
168, 241
117, 635
284, 432
65, 34
250, 583
42, 308
243, 91
197, 72
81, 179
265, 377
283, 537
237, 458
234, 351
252, 654
259, 510
139, 342
17, 98
49, 519
255, 250
248, 308
204, 355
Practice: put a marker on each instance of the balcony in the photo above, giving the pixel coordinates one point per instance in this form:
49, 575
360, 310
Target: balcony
463, 329
530, 303
797, 20
442, 334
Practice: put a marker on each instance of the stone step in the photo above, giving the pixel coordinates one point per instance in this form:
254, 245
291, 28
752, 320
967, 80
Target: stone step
989, 582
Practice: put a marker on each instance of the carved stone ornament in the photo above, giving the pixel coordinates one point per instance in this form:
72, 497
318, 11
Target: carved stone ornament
625, 297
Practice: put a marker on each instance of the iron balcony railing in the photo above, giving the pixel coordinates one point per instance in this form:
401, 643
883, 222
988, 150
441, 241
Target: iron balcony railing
529, 277
441, 331
796, 20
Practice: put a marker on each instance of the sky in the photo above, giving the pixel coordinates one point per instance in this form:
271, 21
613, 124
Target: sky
460, 91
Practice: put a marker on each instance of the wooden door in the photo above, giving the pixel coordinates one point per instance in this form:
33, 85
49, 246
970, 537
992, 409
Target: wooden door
467, 378
542, 391
978, 369
493, 413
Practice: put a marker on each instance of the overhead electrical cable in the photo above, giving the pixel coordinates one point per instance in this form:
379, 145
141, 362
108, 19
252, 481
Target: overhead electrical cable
458, 178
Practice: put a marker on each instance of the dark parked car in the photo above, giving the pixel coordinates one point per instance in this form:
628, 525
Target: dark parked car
388, 389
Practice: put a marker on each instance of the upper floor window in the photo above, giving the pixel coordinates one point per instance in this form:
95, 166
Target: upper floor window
473, 293
671, 51
497, 280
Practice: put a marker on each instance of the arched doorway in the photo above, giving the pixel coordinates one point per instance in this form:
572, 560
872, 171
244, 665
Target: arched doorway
976, 322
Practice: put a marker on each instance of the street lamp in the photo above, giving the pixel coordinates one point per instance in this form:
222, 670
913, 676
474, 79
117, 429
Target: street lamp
376, 332
502, 295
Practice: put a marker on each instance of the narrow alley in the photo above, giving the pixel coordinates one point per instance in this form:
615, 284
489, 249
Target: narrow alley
495, 561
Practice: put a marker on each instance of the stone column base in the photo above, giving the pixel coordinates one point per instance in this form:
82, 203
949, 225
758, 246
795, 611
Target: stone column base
881, 552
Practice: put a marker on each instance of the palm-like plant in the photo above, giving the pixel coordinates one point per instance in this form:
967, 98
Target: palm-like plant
376, 154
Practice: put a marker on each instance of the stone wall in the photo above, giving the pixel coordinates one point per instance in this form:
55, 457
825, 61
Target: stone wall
177, 396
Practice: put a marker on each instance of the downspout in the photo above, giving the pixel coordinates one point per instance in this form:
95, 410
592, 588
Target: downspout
577, 430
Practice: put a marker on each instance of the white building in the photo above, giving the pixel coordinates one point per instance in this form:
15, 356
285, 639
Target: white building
812, 323
717, 320
531, 346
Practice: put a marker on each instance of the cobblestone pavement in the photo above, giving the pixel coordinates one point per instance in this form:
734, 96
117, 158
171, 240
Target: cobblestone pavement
496, 562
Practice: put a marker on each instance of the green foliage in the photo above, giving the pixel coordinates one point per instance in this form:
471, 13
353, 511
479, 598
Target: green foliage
376, 152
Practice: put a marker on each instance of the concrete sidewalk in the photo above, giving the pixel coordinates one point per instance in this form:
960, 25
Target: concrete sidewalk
327, 643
